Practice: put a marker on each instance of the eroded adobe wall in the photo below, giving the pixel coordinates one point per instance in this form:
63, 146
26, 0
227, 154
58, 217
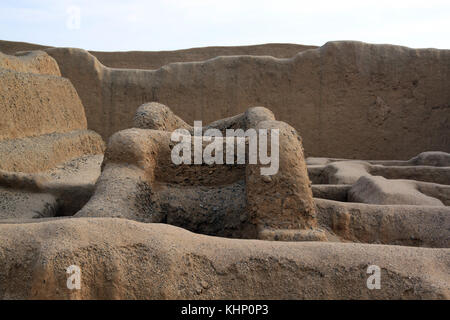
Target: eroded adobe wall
42, 121
11, 47
123, 259
33, 105
155, 59
37, 62
346, 99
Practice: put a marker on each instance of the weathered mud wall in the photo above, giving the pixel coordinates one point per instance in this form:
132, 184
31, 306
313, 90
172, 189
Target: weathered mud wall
155, 59
122, 259
43, 122
11, 47
347, 99
33, 105
37, 62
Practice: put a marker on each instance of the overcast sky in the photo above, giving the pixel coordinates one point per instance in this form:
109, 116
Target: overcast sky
113, 25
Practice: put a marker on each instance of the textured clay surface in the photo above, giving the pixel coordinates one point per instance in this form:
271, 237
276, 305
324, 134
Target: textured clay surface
346, 99
142, 227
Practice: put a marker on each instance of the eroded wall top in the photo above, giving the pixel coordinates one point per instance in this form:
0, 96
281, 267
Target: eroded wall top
347, 99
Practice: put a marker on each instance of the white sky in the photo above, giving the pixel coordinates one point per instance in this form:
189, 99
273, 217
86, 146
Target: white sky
176, 24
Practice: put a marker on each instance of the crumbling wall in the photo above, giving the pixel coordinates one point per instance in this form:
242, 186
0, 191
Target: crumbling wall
31, 62
346, 99
43, 121
33, 105
155, 59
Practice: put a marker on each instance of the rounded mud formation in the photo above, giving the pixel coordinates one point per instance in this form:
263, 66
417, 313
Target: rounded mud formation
229, 209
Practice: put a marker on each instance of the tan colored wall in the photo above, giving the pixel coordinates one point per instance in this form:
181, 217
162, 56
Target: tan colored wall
156, 59
33, 105
347, 99
123, 259
11, 47
41, 153
42, 121
32, 62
